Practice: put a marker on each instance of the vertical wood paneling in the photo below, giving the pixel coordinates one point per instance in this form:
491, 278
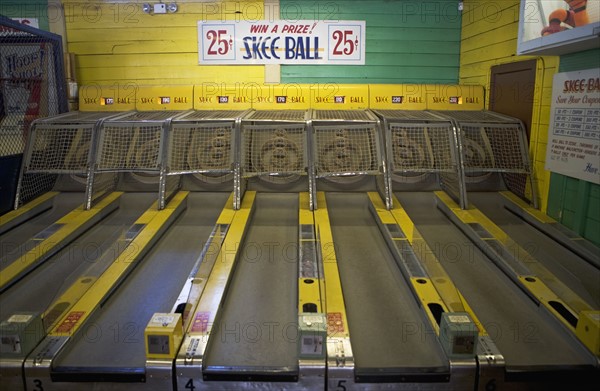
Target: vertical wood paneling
406, 41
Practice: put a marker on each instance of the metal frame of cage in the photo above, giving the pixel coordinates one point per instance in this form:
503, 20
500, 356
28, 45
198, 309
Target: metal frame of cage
428, 144
215, 133
60, 145
344, 128
137, 143
500, 142
274, 146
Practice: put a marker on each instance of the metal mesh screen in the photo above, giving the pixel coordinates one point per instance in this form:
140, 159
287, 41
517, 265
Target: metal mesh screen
172, 185
472, 116
418, 115
489, 148
212, 115
152, 115
493, 148
33, 185
12, 138
419, 147
342, 115
130, 147
277, 115
32, 86
346, 150
478, 156
206, 147
505, 142
60, 148
274, 149
103, 183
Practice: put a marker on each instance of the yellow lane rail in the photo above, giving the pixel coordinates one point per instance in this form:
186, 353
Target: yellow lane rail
15, 217
187, 301
458, 328
152, 224
52, 239
200, 274
310, 278
312, 320
340, 358
440, 279
196, 334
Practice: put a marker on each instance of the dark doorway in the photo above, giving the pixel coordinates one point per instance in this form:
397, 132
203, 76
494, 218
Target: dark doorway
512, 91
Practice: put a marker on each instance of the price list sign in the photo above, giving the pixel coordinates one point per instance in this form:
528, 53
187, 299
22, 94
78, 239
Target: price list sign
281, 42
574, 133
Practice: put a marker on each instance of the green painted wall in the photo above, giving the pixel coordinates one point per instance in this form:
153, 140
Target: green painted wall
406, 41
573, 202
27, 9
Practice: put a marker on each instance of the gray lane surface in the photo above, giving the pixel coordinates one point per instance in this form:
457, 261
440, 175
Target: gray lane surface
256, 330
389, 332
113, 338
525, 334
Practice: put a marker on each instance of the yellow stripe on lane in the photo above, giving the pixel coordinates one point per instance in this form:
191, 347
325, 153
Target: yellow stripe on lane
309, 290
155, 223
439, 278
68, 228
421, 285
201, 278
334, 299
27, 211
211, 298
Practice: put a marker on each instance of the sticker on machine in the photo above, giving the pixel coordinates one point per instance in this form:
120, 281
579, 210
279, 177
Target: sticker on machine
200, 324
19, 318
69, 322
459, 319
163, 319
335, 323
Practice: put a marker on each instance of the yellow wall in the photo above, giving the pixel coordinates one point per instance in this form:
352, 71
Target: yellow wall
489, 37
116, 42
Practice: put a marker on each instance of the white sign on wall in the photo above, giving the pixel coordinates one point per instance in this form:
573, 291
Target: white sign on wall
281, 42
574, 133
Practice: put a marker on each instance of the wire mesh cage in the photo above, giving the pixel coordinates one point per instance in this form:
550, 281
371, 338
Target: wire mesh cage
64, 145
133, 143
346, 150
489, 148
274, 145
59, 148
346, 145
32, 86
130, 147
202, 143
494, 143
201, 148
137, 144
421, 146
